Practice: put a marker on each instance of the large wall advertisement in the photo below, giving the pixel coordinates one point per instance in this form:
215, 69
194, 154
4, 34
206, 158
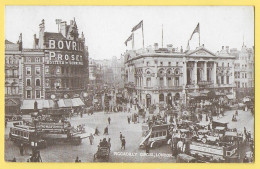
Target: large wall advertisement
64, 52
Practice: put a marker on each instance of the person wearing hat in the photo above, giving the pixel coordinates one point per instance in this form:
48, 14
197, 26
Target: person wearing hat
123, 143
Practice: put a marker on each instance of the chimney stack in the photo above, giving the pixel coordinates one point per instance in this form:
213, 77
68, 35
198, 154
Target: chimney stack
227, 49
181, 50
155, 46
41, 34
20, 42
169, 47
63, 28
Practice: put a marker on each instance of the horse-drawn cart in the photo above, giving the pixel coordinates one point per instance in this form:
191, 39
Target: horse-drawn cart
102, 153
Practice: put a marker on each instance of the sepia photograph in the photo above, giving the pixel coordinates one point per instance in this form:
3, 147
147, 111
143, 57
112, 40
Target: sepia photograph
131, 84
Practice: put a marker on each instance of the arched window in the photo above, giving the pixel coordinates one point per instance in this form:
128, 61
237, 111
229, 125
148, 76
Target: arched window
38, 82
161, 97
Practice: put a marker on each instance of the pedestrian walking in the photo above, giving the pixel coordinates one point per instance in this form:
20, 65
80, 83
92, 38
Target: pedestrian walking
96, 131
121, 136
128, 119
21, 149
123, 143
147, 148
91, 138
77, 160
106, 130
14, 159
109, 120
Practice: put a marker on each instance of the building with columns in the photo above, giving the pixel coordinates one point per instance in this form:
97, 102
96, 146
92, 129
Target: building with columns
166, 75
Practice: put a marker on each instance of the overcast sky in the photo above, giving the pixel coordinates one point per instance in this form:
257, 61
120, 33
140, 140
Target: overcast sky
107, 27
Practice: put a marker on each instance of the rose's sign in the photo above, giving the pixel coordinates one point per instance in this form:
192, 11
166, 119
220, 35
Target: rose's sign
65, 52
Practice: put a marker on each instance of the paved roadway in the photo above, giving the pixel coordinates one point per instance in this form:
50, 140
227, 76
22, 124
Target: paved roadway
67, 153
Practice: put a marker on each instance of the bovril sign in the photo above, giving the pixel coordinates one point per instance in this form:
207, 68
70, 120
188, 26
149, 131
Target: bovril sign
65, 52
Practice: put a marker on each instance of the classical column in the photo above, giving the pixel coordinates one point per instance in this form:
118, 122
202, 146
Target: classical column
214, 73
231, 80
205, 71
184, 74
195, 72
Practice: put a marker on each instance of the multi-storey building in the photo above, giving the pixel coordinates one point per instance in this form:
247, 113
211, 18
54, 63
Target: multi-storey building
33, 74
165, 75
55, 68
65, 61
244, 71
12, 76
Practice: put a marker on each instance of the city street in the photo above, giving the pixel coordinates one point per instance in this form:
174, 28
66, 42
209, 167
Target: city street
66, 152
132, 132
245, 119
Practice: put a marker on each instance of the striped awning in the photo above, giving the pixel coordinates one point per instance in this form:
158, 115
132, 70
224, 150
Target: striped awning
29, 104
79, 101
48, 104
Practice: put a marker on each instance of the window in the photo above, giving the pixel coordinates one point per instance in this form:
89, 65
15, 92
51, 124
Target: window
15, 72
164, 133
37, 94
176, 81
28, 59
227, 79
223, 64
161, 81
169, 63
147, 63
228, 64
28, 70
161, 63
37, 59
38, 82
169, 81
47, 82
238, 84
177, 63
28, 82
28, 94
222, 79
58, 70
245, 75
160, 134
47, 69
37, 70
148, 82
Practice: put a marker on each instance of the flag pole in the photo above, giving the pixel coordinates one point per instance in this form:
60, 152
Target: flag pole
133, 41
143, 33
199, 35
162, 35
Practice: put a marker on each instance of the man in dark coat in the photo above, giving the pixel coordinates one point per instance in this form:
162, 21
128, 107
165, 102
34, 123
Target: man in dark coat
123, 143
109, 120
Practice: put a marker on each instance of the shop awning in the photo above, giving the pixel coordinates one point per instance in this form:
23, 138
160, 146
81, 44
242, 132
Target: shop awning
47, 104
79, 101
230, 97
61, 103
12, 102
74, 102
29, 104
68, 102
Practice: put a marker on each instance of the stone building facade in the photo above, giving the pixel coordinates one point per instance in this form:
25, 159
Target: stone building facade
154, 76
